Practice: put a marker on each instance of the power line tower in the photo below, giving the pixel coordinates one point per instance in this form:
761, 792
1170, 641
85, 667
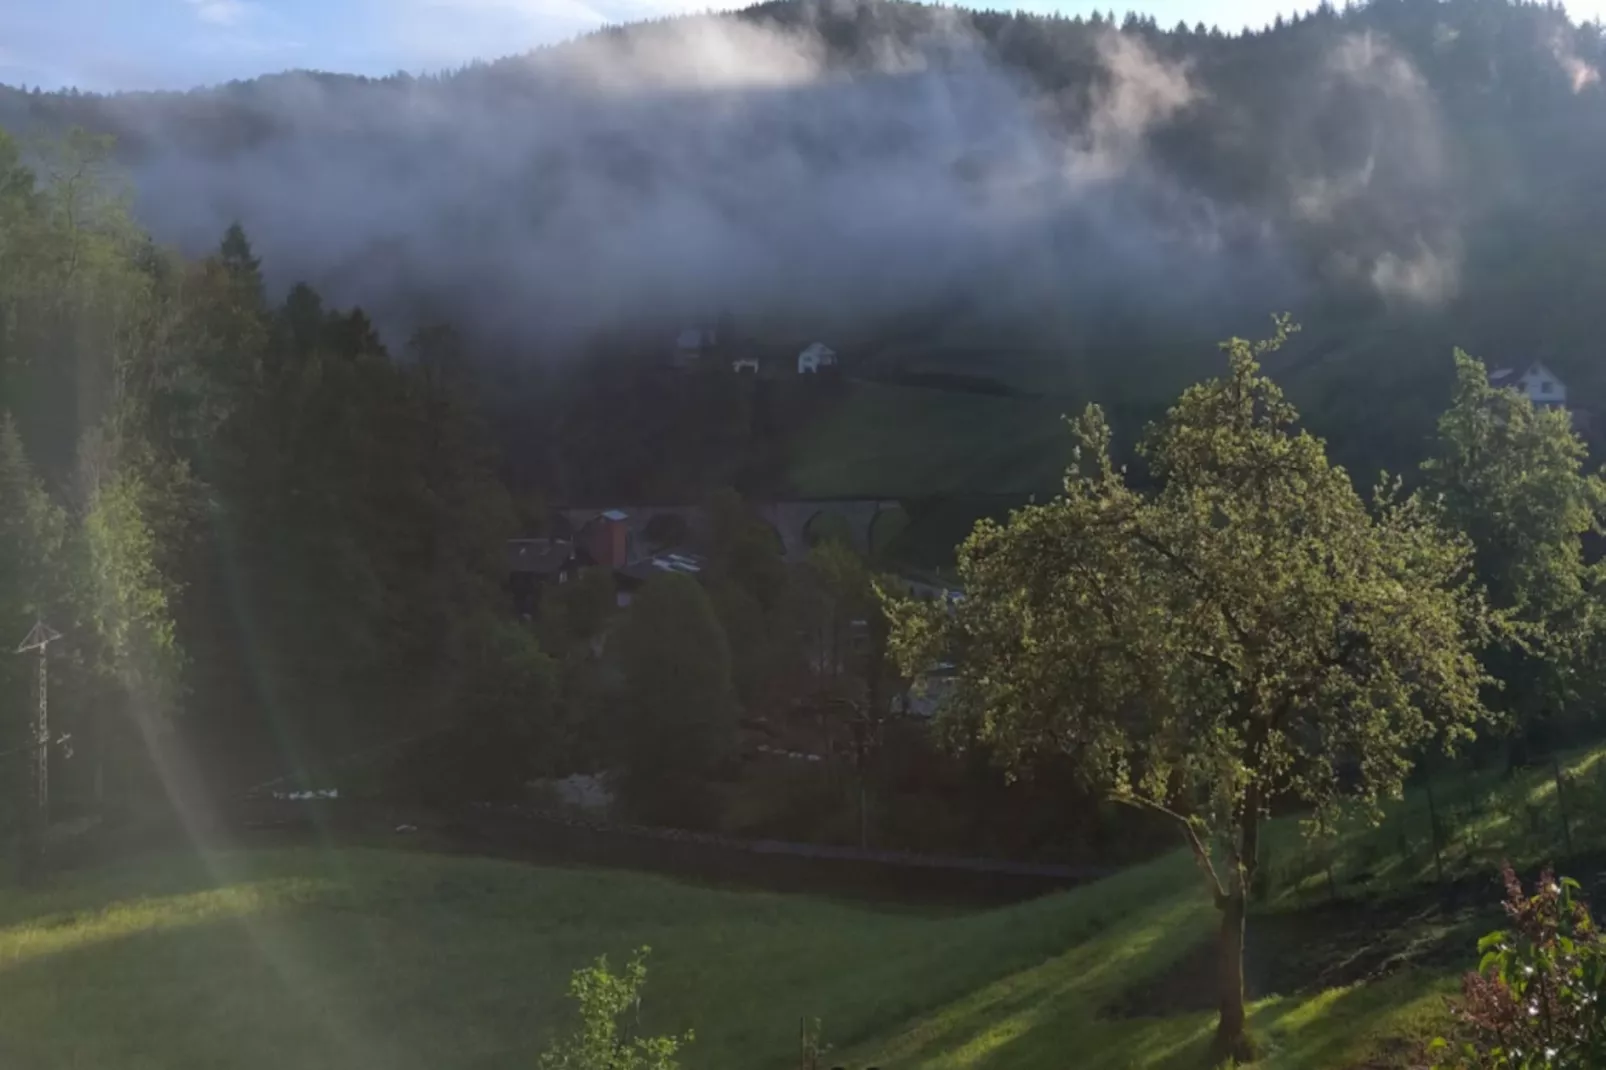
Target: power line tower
36, 813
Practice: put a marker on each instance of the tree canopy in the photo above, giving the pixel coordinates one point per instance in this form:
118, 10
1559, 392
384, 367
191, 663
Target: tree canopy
1246, 632
679, 707
1512, 477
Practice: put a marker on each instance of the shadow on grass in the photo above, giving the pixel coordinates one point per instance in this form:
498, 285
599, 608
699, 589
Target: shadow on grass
1378, 1025
1034, 1017
1048, 1017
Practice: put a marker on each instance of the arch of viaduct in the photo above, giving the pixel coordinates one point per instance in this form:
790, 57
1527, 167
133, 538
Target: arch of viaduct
790, 519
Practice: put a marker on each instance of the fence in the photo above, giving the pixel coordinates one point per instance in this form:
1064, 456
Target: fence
1455, 831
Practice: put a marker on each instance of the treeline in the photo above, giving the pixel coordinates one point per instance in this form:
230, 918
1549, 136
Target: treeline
260, 532
271, 543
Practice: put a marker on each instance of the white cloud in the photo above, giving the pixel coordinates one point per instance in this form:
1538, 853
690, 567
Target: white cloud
1424, 275
1142, 91
1579, 73
222, 12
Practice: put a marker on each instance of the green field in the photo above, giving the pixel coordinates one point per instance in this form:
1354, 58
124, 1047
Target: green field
910, 441
358, 958
352, 958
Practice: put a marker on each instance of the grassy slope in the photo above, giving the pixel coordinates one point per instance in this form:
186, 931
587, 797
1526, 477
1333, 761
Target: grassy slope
909, 441
1485, 818
357, 959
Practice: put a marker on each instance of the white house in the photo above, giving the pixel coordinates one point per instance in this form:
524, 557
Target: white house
1541, 385
814, 358
692, 344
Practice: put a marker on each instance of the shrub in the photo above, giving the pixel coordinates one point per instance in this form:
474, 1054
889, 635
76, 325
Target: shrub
602, 1042
1535, 998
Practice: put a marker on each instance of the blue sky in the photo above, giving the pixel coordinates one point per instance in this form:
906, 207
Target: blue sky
177, 44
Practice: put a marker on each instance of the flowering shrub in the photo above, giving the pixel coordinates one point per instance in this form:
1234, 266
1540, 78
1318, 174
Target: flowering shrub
1535, 998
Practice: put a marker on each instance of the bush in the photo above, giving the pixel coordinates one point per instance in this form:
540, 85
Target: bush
602, 1042
1535, 998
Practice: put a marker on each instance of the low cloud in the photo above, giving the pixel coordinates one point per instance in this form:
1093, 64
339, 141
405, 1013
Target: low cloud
1579, 74
1369, 173
1424, 276
681, 169
1141, 93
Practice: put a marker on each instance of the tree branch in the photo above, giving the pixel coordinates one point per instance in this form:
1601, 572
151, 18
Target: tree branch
1176, 559
1200, 854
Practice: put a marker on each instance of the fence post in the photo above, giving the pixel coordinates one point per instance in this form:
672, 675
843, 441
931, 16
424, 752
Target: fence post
1561, 804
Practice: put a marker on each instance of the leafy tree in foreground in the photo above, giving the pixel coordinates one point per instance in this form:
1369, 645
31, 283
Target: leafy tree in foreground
601, 1042
1249, 632
1512, 478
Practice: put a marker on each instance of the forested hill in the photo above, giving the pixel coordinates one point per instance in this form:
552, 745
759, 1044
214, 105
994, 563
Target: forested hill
1400, 176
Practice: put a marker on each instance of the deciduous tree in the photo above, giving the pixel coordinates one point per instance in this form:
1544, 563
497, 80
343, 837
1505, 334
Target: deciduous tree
1512, 478
1249, 631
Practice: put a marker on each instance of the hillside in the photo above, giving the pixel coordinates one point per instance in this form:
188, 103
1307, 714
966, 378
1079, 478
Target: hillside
357, 959
941, 187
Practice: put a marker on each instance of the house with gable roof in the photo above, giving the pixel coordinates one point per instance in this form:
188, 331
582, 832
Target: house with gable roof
1543, 387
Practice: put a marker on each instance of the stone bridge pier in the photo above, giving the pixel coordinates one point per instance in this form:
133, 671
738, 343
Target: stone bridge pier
792, 520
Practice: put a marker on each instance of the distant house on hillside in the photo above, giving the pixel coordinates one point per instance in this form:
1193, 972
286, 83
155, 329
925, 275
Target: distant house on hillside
693, 346
1541, 384
816, 357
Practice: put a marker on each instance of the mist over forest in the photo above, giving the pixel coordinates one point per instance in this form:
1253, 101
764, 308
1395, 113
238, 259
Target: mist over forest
849, 165
852, 425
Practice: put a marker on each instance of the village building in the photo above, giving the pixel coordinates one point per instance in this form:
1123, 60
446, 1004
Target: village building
816, 358
1543, 387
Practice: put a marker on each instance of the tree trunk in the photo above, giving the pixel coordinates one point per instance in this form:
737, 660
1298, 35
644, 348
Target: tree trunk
1232, 1037
1232, 1032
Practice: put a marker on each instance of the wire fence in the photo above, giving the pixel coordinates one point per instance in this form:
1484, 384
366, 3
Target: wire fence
1452, 830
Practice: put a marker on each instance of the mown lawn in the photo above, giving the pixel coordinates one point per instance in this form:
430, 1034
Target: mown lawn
351, 958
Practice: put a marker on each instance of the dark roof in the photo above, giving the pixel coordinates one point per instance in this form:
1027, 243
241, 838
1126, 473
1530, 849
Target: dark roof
538, 555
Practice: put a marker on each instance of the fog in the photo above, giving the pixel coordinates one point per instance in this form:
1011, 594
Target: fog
714, 164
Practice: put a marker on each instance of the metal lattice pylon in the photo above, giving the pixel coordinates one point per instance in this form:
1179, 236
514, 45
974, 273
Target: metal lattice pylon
39, 638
